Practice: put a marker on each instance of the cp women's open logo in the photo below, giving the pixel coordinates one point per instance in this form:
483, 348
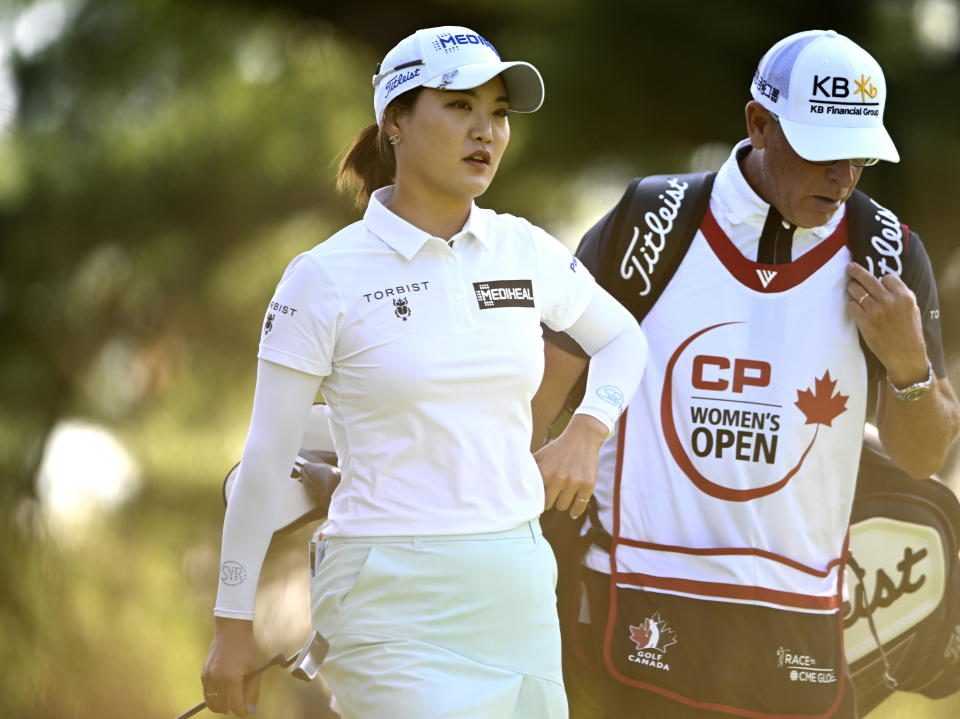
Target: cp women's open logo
757, 439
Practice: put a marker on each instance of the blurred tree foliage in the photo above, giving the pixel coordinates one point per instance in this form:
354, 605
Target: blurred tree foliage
168, 158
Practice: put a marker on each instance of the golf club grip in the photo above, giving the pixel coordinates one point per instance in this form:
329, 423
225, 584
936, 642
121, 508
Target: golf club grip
278, 659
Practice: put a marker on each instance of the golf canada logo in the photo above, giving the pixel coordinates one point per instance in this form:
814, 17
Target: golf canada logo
653, 637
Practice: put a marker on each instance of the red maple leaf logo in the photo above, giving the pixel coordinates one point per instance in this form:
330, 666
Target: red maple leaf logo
642, 635
822, 406
654, 634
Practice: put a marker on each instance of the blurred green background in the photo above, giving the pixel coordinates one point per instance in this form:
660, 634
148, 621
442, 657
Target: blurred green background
160, 163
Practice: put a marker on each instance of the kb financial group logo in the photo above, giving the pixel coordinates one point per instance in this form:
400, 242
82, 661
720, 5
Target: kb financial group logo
831, 94
836, 95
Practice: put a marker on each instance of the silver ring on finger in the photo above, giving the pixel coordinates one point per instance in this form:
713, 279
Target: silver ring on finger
581, 499
211, 694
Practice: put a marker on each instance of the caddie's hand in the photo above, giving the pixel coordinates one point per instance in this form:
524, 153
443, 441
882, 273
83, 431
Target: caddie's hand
888, 318
233, 653
568, 464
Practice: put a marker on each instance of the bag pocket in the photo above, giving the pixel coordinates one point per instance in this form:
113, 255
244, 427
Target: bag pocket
747, 657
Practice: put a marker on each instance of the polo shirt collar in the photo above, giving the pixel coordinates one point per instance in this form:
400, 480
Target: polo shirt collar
741, 199
407, 239
476, 226
744, 205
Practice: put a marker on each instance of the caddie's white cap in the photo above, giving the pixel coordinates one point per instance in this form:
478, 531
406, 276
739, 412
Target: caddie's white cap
829, 95
452, 58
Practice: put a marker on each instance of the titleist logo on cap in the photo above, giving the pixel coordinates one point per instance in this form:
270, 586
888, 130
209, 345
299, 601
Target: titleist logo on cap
400, 79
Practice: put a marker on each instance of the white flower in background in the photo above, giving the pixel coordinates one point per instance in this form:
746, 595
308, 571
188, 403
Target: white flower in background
937, 26
85, 471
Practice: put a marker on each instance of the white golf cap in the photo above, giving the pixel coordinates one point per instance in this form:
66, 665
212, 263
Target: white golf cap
452, 58
829, 95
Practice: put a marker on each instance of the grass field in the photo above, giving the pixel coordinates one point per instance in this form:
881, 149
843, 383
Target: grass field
912, 706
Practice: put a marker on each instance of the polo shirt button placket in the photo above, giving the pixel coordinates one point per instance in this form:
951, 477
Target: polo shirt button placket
468, 319
453, 283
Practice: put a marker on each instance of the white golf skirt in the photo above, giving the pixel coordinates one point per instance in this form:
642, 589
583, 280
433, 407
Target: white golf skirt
448, 627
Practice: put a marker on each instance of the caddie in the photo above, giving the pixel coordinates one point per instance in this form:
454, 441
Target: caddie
712, 585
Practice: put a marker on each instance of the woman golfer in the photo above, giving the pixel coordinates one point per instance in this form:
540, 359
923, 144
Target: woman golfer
420, 324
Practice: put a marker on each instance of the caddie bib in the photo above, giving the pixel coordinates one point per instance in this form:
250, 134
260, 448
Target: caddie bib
735, 470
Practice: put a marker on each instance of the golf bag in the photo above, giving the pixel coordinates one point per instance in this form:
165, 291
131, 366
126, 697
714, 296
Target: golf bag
902, 612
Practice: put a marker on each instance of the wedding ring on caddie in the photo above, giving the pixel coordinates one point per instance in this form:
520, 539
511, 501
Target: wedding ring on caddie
211, 694
581, 499
865, 296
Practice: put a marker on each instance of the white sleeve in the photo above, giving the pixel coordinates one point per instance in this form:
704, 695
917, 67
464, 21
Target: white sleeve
303, 318
618, 354
566, 286
281, 406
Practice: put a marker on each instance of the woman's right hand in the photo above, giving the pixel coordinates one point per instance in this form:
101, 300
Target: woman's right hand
568, 464
233, 653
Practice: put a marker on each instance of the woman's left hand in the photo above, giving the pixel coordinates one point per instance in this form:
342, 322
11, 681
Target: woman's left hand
568, 464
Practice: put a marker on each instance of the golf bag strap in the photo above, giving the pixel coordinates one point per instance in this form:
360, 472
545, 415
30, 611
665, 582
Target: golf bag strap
878, 241
635, 249
876, 237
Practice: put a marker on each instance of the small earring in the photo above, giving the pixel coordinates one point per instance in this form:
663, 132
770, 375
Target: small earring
394, 139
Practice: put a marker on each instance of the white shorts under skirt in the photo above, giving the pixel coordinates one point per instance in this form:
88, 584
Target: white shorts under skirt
451, 627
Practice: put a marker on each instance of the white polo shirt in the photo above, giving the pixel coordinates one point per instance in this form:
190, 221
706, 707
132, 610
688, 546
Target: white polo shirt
430, 355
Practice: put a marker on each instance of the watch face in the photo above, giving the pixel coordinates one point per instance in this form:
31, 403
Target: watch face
912, 394
914, 391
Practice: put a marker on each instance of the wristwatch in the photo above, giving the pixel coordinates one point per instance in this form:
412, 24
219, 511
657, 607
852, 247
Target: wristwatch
915, 391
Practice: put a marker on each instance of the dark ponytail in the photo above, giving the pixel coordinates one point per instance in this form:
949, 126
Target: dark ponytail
370, 163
